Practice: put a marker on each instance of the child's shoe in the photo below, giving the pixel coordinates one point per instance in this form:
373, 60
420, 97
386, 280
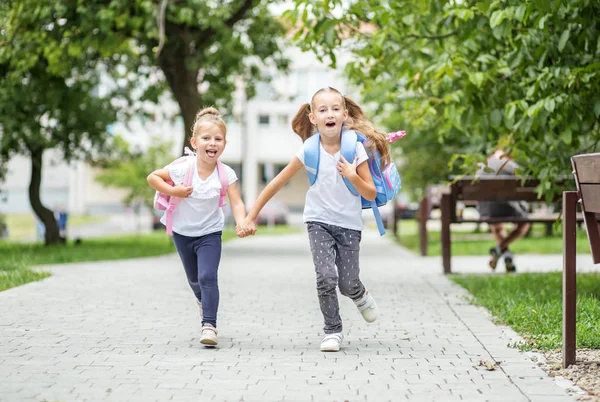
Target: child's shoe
199, 303
208, 335
495, 254
332, 342
367, 307
509, 262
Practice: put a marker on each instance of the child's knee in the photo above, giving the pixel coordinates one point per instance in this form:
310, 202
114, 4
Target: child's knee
326, 283
350, 289
208, 277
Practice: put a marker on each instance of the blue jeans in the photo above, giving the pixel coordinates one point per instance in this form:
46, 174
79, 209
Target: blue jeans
200, 257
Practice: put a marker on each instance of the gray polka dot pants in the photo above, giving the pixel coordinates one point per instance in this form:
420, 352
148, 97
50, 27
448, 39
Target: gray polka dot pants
335, 247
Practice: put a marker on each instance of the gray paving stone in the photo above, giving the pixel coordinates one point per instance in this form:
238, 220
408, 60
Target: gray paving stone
128, 331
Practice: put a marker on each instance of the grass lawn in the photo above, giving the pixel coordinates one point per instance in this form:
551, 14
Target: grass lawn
22, 226
471, 243
17, 257
532, 305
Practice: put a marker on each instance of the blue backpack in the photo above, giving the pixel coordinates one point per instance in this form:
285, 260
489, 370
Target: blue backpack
387, 180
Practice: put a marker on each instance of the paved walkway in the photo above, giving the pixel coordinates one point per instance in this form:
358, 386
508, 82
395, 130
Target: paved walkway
128, 331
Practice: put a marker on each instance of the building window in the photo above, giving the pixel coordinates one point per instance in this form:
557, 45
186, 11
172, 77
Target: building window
282, 119
263, 119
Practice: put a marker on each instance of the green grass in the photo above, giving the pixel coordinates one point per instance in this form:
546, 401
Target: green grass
17, 257
14, 272
22, 226
532, 305
109, 248
471, 243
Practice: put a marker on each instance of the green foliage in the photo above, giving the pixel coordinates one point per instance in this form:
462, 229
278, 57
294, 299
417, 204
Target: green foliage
128, 169
68, 69
478, 74
208, 48
47, 81
50, 64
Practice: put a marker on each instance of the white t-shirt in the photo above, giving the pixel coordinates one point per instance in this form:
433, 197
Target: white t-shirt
328, 200
199, 214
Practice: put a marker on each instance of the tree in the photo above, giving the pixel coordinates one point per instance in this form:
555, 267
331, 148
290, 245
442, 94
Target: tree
56, 55
48, 73
480, 74
202, 48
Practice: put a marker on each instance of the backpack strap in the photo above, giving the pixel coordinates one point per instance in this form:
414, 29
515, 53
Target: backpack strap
187, 181
378, 219
312, 153
348, 151
224, 183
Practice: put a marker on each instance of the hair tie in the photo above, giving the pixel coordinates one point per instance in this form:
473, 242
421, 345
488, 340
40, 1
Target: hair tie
396, 135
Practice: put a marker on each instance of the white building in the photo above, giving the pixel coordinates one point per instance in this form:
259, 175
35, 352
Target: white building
260, 142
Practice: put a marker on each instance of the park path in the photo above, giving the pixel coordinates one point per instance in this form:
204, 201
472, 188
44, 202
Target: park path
128, 331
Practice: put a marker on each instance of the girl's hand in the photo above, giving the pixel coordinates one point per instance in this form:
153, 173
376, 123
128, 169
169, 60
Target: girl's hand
245, 228
347, 169
181, 191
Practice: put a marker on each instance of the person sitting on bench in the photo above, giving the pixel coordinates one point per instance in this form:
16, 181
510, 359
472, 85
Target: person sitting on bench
501, 164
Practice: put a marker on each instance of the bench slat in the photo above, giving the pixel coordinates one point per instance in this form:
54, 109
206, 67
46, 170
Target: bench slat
495, 190
588, 168
540, 219
590, 197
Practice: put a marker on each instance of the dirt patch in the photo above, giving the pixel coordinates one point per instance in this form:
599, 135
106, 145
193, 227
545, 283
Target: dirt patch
585, 373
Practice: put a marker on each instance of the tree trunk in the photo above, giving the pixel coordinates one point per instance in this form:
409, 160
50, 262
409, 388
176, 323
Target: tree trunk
182, 81
44, 214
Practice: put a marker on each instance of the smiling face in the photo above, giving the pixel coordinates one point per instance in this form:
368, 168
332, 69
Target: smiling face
209, 142
328, 113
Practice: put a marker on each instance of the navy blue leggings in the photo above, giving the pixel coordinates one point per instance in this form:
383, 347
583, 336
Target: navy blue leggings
200, 257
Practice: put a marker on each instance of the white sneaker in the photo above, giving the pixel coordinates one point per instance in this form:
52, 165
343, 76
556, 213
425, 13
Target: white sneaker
208, 335
332, 342
199, 303
367, 307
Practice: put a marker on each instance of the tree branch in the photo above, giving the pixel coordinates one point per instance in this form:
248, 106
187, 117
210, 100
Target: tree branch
207, 34
241, 12
161, 27
433, 37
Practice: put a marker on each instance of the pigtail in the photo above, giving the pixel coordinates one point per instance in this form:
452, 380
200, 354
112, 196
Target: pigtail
301, 123
357, 121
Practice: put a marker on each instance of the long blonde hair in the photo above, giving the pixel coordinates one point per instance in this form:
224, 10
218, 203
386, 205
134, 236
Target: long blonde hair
356, 121
208, 115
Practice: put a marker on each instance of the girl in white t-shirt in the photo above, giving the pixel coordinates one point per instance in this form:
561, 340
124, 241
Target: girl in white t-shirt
198, 220
332, 213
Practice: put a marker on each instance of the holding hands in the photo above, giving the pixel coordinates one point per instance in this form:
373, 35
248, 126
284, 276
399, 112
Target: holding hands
247, 227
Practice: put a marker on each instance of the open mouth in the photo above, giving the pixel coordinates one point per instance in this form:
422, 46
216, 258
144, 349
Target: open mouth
330, 124
211, 153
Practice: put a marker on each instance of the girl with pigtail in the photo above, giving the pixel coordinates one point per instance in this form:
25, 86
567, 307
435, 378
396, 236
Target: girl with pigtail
332, 213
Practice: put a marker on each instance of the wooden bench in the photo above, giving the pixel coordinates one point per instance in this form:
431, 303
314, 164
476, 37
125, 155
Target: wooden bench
586, 169
487, 188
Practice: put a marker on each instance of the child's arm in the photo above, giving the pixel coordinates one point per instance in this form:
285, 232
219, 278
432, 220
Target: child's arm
238, 209
273, 187
158, 181
359, 176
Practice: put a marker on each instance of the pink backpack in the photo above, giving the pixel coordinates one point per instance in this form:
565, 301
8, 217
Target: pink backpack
163, 202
